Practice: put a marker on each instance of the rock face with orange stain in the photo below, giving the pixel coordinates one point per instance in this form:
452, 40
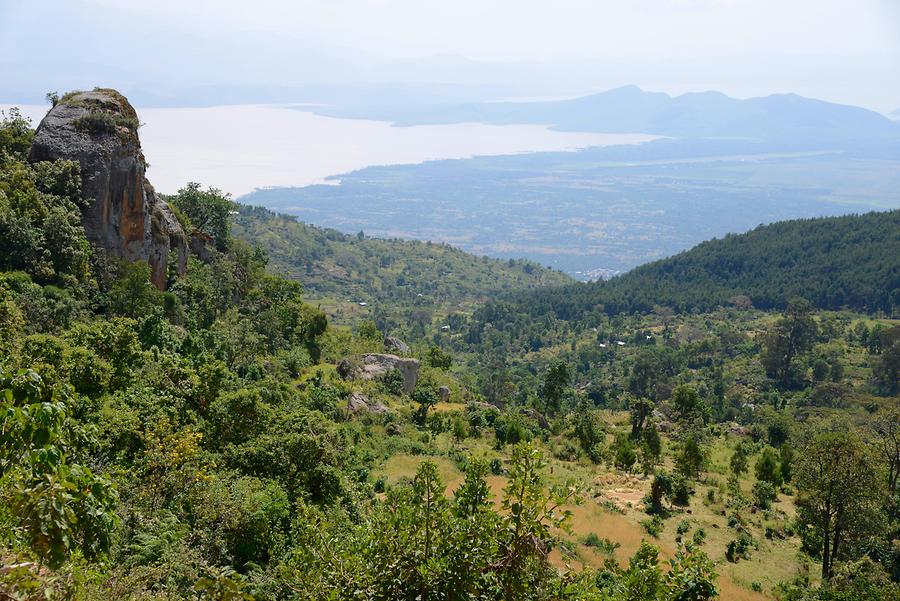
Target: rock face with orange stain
125, 217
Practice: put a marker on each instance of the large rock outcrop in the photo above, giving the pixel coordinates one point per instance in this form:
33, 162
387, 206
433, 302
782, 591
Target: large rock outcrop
375, 365
125, 216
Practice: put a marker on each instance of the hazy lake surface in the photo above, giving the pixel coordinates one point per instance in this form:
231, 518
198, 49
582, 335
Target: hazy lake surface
241, 148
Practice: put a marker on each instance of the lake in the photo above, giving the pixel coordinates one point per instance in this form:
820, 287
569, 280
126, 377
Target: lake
245, 147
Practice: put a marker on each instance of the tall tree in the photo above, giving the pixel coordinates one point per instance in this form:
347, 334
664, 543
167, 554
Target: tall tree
839, 489
793, 335
556, 381
886, 440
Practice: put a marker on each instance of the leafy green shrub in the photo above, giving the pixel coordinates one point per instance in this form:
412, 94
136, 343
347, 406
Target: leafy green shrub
660, 489
603, 545
392, 382
103, 122
566, 450
625, 455
763, 494
439, 358
654, 526
682, 490
511, 427
739, 548
699, 536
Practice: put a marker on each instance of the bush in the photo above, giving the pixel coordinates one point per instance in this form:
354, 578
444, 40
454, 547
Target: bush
739, 548
654, 526
699, 536
566, 451
681, 491
625, 456
392, 382
763, 494
603, 545
511, 428
102, 122
660, 488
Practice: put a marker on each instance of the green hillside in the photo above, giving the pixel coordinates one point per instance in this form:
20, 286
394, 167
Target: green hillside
218, 438
837, 262
393, 277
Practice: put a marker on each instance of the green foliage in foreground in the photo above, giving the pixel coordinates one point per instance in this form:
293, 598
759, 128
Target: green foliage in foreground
421, 544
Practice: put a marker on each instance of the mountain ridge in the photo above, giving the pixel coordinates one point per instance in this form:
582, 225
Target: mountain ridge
709, 114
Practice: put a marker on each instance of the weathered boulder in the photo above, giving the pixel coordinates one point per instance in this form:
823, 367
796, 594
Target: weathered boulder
444, 393
373, 365
392, 343
360, 403
357, 403
538, 417
125, 216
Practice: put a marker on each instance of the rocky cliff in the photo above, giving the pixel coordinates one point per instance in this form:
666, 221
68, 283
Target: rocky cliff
125, 216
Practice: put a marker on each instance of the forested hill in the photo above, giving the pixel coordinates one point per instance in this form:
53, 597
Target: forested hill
332, 264
851, 261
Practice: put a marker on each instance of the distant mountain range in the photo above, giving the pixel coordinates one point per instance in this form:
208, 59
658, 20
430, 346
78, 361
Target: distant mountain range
629, 109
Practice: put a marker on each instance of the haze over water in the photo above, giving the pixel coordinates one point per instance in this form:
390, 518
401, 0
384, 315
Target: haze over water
244, 147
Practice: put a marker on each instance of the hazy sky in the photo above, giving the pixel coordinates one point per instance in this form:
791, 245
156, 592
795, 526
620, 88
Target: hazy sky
542, 29
845, 50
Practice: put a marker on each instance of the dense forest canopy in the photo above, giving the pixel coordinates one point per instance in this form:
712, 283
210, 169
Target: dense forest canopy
850, 262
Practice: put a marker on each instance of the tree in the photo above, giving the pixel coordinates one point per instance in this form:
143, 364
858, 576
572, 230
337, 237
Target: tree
133, 294
590, 429
886, 369
739, 463
425, 398
763, 494
439, 358
886, 441
793, 335
641, 409
651, 448
208, 211
688, 404
768, 467
556, 381
660, 488
839, 490
625, 456
529, 516
691, 459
